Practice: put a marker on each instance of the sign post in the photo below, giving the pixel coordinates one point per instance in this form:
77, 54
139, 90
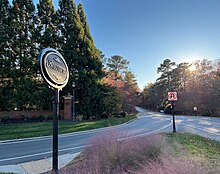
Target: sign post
55, 72
172, 96
195, 110
55, 129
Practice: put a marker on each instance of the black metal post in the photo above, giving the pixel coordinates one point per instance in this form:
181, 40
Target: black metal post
74, 116
55, 130
174, 125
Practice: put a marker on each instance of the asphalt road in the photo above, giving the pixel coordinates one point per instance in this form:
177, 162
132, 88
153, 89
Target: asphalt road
19, 151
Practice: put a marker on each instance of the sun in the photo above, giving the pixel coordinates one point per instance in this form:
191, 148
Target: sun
191, 59
192, 68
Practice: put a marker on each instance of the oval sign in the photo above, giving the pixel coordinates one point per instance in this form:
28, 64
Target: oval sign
54, 68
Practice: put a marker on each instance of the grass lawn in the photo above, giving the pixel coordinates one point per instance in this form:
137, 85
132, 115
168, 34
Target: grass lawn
196, 145
203, 151
27, 130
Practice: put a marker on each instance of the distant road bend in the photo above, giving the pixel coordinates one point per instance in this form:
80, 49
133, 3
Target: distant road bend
19, 151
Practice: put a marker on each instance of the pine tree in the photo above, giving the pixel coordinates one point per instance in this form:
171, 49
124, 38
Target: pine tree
70, 36
117, 66
82, 58
111, 102
46, 27
70, 33
84, 23
6, 62
4, 39
24, 52
90, 78
131, 82
46, 36
166, 72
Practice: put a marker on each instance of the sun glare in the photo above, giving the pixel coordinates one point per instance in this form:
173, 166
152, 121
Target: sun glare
192, 67
191, 59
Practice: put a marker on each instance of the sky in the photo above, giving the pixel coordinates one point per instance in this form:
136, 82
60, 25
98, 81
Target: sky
146, 32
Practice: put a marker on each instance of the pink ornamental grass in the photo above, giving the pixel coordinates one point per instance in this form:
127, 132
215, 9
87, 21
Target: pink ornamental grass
107, 155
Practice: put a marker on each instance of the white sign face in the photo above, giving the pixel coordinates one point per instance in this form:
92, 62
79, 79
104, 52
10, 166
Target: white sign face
172, 96
54, 68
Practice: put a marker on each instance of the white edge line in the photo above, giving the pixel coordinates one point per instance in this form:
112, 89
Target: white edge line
200, 129
147, 133
208, 119
43, 153
213, 122
15, 141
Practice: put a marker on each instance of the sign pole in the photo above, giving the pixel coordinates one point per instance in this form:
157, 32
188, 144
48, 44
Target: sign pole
172, 96
55, 72
55, 130
174, 125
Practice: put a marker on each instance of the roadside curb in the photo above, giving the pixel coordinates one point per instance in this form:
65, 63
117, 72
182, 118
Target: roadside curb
39, 166
130, 121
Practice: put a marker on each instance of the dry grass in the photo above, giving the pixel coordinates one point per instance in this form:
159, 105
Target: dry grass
149, 155
154, 154
109, 156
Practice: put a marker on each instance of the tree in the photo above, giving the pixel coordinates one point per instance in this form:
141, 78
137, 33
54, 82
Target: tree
46, 35
203, 85
24, 32
110, 99
131, 81
84, 23
24, 52
117, 66
166, 69
213, 97
150, 96
124, 80
82, 57
131, 90
163, 83
89, 80
6, 61
46, 27
196, 88
181, 74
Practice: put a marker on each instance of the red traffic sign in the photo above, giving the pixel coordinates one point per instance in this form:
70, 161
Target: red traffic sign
172, 96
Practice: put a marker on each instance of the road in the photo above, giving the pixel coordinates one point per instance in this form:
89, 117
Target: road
19, 151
